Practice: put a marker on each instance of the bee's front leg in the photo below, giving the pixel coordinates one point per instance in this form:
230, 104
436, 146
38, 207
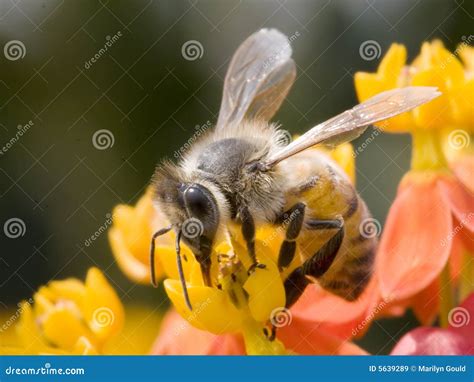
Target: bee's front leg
248, 232
293, 220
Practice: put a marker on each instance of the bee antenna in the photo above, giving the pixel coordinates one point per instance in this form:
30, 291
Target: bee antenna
180, 270
152, 253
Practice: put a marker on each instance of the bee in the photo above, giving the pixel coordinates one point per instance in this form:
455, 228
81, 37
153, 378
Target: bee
244, 173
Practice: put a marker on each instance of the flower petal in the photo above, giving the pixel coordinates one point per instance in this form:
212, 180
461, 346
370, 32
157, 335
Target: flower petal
103, 309
28, 330
46, 350
168, 260
389, 75
69, 289
62, 328
337, 316
425, 304
130, 237
460, 201
411, 253
462, 320
209, 306
431, 341
436, 113
463, 167
306, 338
266, 292
129, 264
84, 346
178, 337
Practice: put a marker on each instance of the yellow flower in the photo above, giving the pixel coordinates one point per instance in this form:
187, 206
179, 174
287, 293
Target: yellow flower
434, 66
70, 317
462, 102
130, 237
139, 332
242, 303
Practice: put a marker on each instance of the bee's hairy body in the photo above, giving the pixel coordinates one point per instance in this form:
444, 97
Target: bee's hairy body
221, 161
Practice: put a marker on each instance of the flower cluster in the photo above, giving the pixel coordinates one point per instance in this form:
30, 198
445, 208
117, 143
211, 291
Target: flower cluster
430, 224
424, 261
70, 317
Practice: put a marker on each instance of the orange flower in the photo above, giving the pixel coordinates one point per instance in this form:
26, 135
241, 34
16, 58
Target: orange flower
433, 212
428, 215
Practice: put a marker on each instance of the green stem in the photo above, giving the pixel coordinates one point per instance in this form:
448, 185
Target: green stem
447, 300
427, 151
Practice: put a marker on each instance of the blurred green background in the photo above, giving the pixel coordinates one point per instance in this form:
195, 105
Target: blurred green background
151, 98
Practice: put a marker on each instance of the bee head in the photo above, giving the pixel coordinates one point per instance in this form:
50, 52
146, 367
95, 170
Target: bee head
193, 207
202, 216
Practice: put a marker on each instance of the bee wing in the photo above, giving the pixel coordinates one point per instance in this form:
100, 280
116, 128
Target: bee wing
352, 123
259, 77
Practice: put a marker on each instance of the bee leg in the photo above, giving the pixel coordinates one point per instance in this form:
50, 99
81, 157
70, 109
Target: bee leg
152, 253
293, 219
181, 272
317, 265
248, 232
295, 285
204, 260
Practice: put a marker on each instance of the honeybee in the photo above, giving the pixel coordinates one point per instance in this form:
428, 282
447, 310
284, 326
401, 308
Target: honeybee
244, 173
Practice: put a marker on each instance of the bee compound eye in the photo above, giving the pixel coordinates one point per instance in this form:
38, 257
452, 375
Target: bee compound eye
200, 204
196, 199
